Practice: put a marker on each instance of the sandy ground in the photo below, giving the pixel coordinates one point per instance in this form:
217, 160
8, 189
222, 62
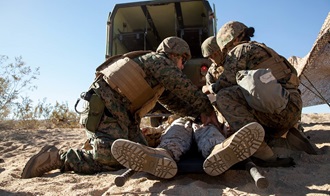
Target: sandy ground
310, 176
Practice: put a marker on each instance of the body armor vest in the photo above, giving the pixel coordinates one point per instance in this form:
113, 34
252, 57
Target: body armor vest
282, 70
127, 78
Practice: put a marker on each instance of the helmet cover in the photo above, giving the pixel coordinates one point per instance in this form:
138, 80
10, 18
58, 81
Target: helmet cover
174, 45
209, 46
228, 32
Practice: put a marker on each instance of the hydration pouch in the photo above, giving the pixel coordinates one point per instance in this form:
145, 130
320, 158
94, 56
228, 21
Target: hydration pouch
262, 91
93, 111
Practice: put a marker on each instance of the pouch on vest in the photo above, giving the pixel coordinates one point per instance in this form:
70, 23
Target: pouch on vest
262, 91
91, 116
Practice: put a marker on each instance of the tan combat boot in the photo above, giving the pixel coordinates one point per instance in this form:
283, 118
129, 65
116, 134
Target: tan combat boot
46, 160
156, 161
265, 153
234, 149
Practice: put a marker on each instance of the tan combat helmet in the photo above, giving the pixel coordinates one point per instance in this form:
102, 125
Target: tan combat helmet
209, 46
228, 32
174, 45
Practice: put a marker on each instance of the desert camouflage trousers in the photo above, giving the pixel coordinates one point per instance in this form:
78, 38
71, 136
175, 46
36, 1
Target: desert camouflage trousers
95, 156
232, 105
178, 138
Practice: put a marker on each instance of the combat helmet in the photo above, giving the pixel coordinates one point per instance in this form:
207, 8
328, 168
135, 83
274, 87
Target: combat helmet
174, 45
228, 32
209, 46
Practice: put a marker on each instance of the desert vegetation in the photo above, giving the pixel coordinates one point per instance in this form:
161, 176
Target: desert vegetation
18, 111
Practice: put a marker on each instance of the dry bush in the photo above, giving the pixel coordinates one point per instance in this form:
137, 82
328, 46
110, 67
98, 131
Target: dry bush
15, 78
18, 112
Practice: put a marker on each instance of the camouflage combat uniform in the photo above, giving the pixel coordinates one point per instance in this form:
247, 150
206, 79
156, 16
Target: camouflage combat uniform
121, 123
178, 137
232, 104
213, 73
211, 50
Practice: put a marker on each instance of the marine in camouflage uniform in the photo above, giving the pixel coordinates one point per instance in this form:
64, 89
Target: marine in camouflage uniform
177, 140
212, 51
183, 131
244, 54
178, 137
163, 68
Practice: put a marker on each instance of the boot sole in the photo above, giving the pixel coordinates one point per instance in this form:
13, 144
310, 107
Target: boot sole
243, 144
142, 158
26, 171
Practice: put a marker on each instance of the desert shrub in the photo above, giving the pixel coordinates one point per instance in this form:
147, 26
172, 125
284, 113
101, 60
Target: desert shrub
61, 116
15, 78
17, 111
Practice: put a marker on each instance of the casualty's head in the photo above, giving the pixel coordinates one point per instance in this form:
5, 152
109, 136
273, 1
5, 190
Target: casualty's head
232, 33
176, 49
211, 50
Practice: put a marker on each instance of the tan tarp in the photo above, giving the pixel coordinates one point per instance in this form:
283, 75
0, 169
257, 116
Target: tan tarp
314, 69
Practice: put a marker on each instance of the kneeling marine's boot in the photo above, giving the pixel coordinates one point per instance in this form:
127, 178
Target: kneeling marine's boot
46, 160
156, 161
298, 141
238, 147
265, 153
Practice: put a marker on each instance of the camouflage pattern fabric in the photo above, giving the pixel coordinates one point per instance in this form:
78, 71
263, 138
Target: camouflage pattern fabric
211, 50
209, 46
213, 73
179, 136
161, 70
174, 45
175, 105
120, 123
206, 138
153, 134
232, 104
228, 32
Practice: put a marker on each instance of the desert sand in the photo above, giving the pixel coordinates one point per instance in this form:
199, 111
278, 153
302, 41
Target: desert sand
310, 176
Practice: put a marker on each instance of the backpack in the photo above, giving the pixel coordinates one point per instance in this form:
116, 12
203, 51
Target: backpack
262, 91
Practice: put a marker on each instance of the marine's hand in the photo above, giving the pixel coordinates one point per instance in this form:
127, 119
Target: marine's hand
210, 119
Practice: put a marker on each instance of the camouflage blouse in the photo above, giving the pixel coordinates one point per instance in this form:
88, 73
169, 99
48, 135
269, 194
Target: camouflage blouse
213, 73
244, 56
183, 93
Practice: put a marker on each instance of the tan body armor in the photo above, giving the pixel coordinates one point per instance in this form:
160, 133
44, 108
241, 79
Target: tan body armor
127, 78
280, 67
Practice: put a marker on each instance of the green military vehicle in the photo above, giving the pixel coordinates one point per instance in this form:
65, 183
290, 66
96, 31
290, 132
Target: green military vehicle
143, 25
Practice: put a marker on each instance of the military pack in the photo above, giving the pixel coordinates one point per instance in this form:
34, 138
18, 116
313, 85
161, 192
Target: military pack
262, 91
